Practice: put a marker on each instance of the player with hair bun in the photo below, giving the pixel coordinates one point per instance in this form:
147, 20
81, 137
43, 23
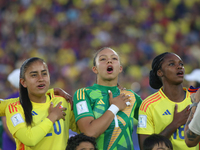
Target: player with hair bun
166, 111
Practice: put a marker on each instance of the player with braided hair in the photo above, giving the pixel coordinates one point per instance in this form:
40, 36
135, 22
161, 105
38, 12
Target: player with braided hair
166, 111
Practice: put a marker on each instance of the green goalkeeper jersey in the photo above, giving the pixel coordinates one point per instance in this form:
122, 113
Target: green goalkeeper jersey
93, 101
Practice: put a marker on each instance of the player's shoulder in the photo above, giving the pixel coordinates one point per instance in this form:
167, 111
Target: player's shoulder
57, 99
151, 101
12, 101
131, 92
153, 97
83, 90
14, 105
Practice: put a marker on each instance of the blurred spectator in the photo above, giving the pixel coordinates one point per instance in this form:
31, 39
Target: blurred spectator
193, 78
66, 32
8, 140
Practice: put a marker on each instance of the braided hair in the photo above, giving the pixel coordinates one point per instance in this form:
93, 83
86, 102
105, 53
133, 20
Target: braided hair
154, 80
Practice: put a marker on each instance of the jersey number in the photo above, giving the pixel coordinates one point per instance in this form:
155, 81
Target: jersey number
180, 132
57, 128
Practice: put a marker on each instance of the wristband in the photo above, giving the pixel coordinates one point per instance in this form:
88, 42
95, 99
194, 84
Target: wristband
192, 105
114, 109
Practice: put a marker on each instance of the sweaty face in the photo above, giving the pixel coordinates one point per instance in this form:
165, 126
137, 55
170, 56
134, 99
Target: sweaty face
172, 69
37, 79
85, 146
107, 65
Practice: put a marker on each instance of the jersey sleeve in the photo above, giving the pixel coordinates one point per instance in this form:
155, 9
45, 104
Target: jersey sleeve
145, 121
82, 106
28, 135
4, 103
73, 126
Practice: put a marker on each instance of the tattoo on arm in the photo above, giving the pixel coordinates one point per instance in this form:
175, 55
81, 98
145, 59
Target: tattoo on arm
191, 136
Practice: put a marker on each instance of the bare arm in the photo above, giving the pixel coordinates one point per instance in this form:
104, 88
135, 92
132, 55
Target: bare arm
192, 139
141, 138
95, 127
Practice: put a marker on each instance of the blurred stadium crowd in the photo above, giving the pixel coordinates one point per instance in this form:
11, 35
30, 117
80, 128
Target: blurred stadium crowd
66, 33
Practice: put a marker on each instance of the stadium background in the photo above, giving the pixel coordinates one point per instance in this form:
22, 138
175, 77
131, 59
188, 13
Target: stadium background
66, 33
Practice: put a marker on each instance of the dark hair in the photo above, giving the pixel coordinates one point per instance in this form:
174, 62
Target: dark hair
197, 84
74, 141
23, 93
154, 80
154, 139
98, 51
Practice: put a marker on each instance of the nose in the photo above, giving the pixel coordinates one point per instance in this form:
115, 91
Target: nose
40, 77
109, 61
180, 66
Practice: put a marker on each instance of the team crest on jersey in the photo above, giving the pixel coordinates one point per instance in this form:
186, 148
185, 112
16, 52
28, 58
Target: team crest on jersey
17, 119
82, 107
142, 121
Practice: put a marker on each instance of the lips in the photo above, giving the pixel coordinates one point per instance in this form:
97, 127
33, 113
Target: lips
41, 86
180, 73
110, 69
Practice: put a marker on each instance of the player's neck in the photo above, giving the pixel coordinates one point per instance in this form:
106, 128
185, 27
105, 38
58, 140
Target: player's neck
107, 82
38, 99
174, 93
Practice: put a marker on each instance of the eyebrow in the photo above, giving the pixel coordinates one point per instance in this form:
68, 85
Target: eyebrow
37, 71
174, 60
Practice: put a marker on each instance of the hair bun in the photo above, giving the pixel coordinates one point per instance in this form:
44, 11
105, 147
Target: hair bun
154, 80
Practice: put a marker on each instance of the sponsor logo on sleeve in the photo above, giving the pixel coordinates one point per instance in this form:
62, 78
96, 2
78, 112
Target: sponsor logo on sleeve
82, 107
142, 122
17, 119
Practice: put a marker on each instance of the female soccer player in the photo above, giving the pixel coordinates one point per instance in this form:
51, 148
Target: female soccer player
103, 110
166, 111
39, 120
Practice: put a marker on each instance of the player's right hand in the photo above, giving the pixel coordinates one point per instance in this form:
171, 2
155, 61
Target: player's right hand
119, 101
57, 112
